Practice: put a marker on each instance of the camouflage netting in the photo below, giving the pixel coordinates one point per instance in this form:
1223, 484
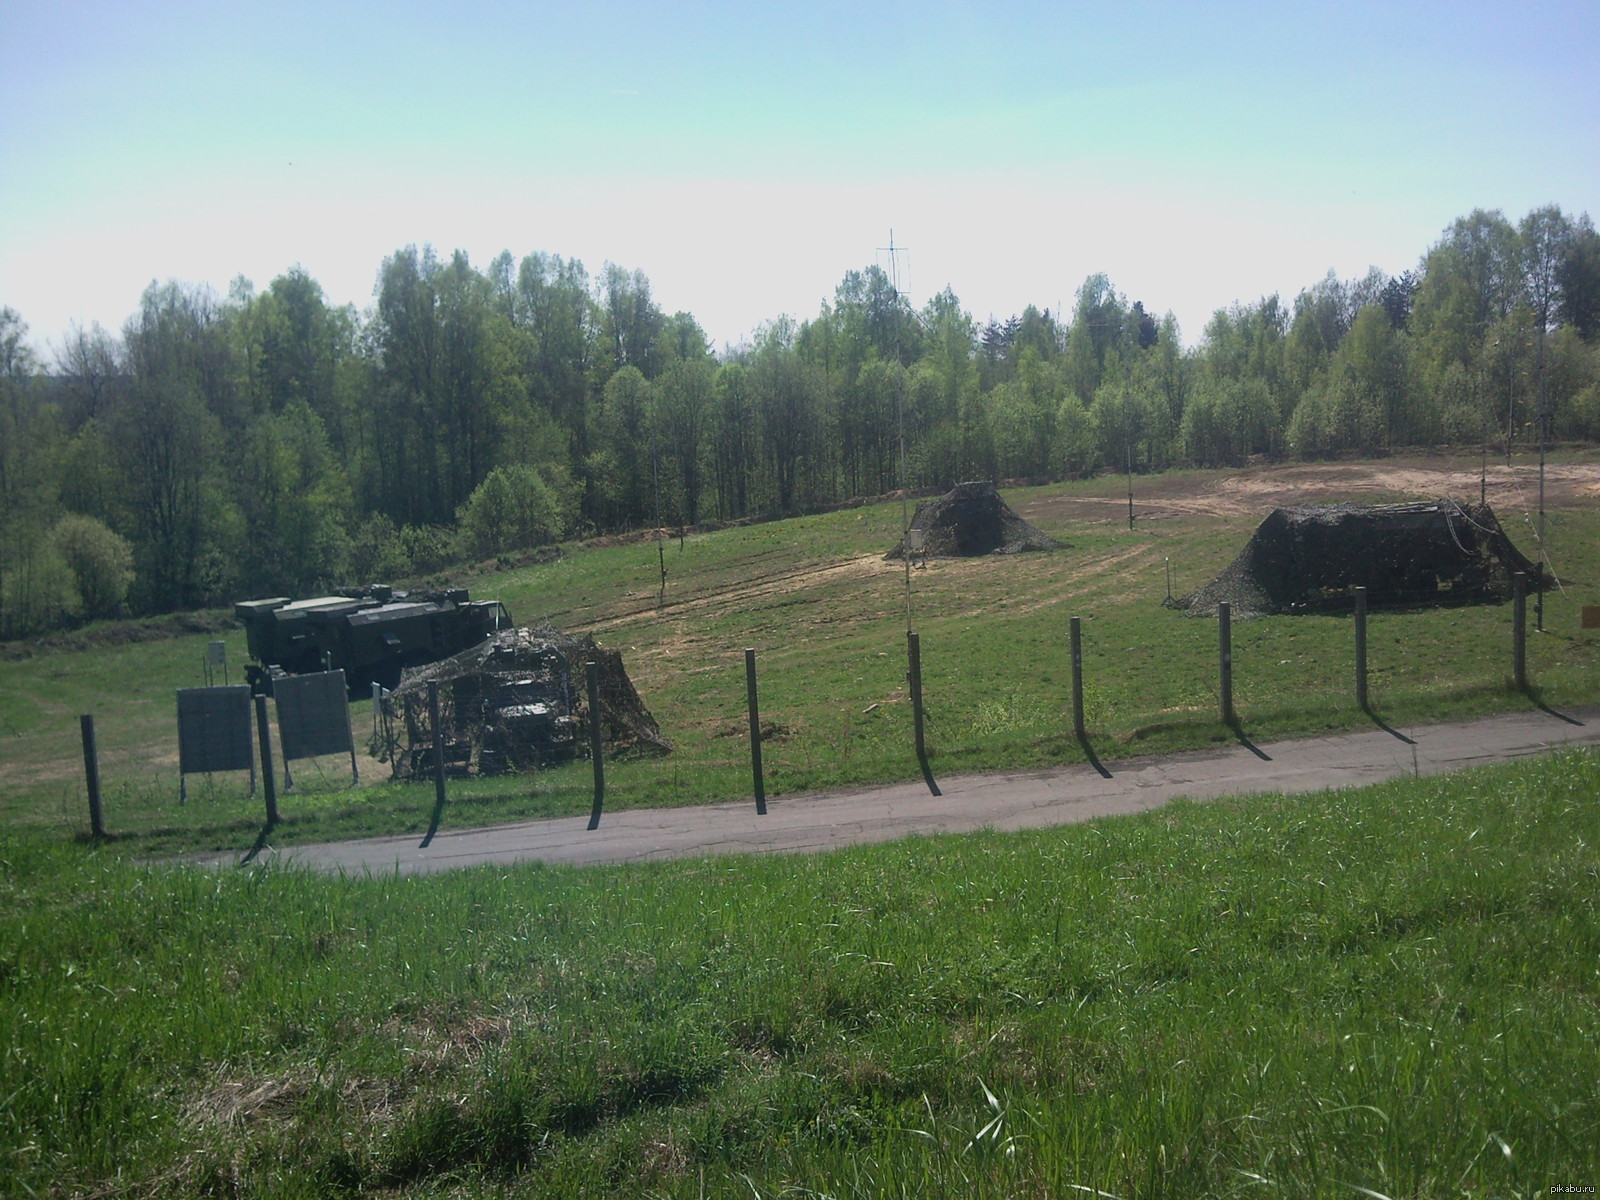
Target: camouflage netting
968, 520
1307, 559
518, 700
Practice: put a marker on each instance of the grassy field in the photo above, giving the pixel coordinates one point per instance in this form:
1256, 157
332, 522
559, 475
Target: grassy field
1390, 992
827, 617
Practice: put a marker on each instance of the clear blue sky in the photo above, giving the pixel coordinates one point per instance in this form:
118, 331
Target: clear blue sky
746, 156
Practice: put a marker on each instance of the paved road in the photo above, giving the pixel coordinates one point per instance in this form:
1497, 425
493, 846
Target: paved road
1019, 800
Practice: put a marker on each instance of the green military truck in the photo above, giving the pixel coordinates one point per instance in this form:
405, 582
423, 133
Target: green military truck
371, 636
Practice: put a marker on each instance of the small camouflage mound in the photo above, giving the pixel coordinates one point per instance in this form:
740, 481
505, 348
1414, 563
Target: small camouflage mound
519, 700
1307, 559
968, 520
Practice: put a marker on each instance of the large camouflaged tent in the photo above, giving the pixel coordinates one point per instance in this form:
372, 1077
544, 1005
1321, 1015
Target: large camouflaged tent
1309, 558
968, 520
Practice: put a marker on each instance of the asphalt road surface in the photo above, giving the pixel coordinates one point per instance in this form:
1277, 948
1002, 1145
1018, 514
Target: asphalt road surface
1020, 800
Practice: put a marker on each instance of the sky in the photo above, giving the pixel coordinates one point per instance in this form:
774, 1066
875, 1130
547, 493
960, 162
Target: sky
746, 156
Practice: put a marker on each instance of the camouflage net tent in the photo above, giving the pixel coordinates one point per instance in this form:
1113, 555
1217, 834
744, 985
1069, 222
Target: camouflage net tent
968, 520
519, 700
1307, 559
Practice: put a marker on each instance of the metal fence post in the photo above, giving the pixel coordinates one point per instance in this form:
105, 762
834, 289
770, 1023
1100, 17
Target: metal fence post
1225, 640
1361, 646
269, 787
438, 763
1519, 630
91, 774
755, 731
592, 674
914, 678
1075, 639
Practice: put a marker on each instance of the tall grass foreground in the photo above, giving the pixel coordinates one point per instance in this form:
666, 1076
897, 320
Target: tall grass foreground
1387, 992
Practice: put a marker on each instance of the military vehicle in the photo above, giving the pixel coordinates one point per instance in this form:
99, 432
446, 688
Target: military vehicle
371, 636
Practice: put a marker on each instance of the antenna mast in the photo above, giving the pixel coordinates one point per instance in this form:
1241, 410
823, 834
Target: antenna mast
900, 419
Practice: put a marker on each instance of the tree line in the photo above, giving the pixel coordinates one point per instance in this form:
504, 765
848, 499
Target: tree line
268, 442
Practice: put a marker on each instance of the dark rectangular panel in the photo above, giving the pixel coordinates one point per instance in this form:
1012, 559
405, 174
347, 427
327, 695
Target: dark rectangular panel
313, 714
214, 729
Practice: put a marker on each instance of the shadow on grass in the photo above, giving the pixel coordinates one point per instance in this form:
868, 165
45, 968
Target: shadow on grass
261, 843
1537, 699
1379, 722
433, 823
1238, 731
1088, 753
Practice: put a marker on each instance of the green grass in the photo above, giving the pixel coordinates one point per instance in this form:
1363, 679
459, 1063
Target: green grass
827, 617
1391, 991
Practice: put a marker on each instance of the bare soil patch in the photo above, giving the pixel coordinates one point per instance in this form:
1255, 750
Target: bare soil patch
762, 588
1257, 490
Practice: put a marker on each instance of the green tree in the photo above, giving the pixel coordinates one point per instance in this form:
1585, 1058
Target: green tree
1507, 366
1074, 452
1246, 342
874, 318
33, 581
1374, 361
89, 368
684, 404
168, 437
630, 323
733, 439
995, 339
1579, 276
870, 413
294, 498
1572, 370
450, 385
1471, 281
943, 390
790, 416
553, 307
1022, 416
100, 560
624, 466
514, 508
406, 478
1226, 422
1096, 330
293, 343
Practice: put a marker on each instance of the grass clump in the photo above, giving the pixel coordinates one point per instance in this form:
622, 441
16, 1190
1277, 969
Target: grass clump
1391, 990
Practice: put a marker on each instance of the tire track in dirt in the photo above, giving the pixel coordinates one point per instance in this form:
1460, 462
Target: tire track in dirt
745, 592
1055, 589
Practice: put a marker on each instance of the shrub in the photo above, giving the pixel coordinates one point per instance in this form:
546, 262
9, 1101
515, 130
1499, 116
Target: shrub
37, 592
515, 507
101, 562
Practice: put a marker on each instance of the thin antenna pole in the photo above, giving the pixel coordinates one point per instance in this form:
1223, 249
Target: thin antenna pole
905, 504
1539, 582
900, 419
655, 486
1129, 444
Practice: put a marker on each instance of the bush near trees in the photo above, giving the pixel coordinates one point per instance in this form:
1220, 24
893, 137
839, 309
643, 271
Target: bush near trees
101, 562
269, 442
513, 508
